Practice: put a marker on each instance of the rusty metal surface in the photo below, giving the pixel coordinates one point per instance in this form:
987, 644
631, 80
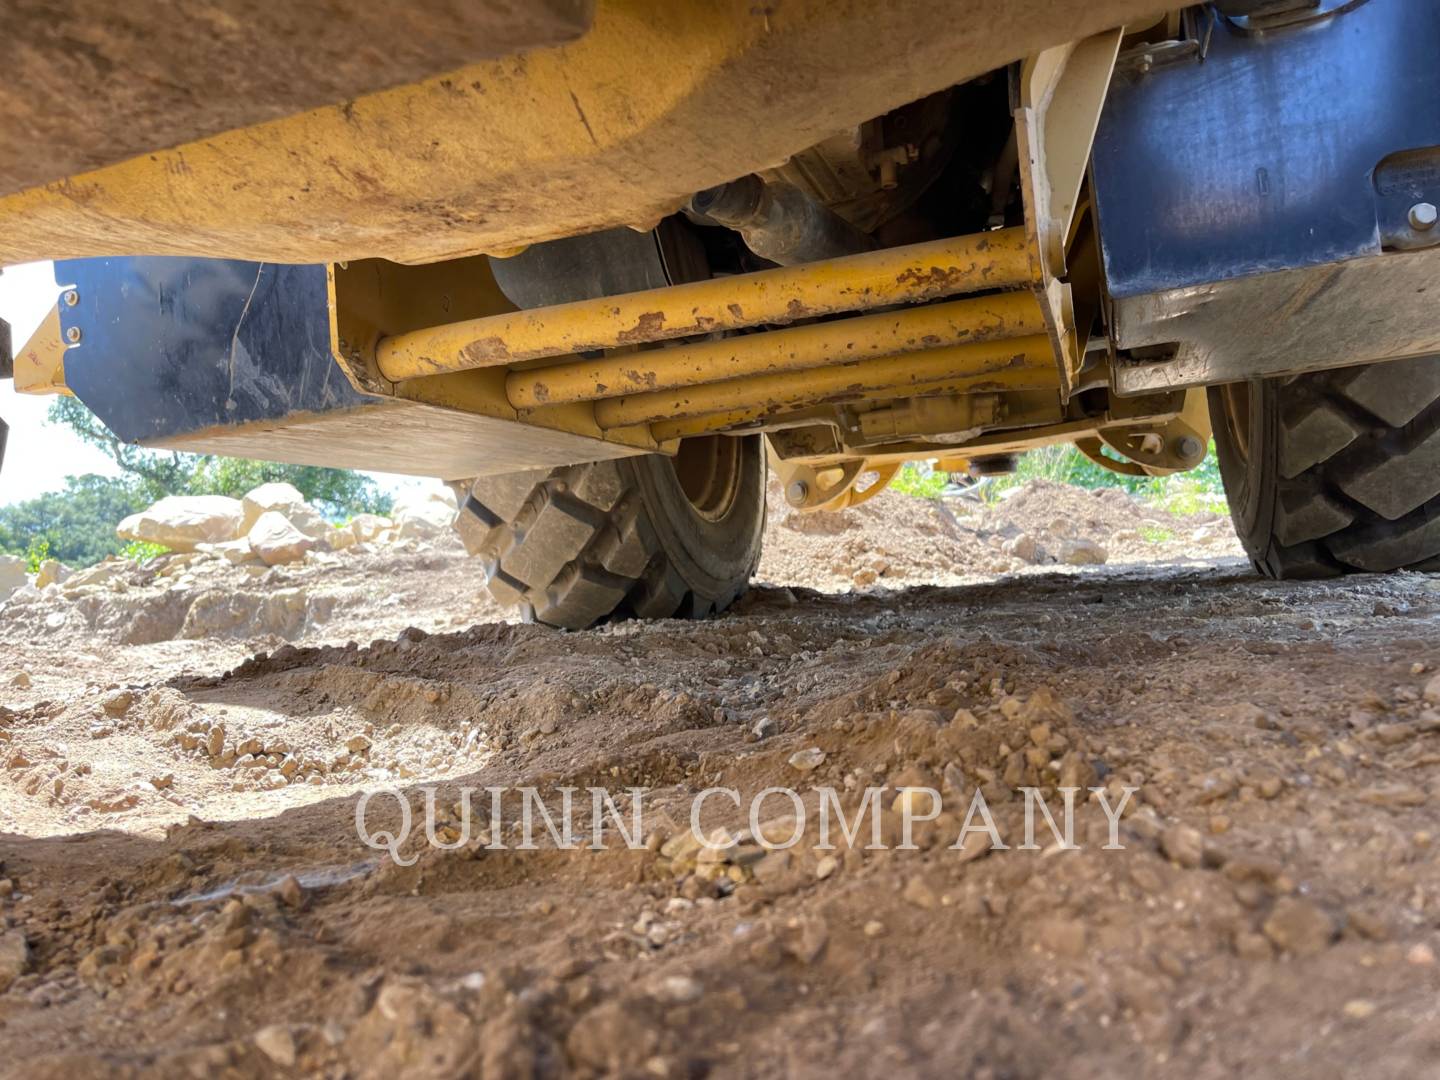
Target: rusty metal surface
1353, 312
986, 318
1020, 363
89, 83
660, 99
963, 264
372, 298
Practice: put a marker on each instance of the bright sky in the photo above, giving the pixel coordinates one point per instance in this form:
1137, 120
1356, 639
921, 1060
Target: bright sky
40, 455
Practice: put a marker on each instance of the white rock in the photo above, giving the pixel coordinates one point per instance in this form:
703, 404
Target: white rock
1082, 553
285, 499
14, 957
368, 527
51, 572
98, 574
179, 522
1022, 547
235, 552
424, 515
277, 1043
276, 541
679, 989
340, 539
12, 574
25, 594
807, 760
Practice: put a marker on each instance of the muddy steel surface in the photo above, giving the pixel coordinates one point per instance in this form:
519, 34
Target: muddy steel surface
184, 893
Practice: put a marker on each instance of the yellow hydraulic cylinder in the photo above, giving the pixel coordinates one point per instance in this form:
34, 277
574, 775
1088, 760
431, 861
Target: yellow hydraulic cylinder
985, 318
937, 268
1021, 363
1033, 375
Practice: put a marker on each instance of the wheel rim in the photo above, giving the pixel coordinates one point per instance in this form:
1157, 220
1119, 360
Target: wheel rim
708, 470
1237, 416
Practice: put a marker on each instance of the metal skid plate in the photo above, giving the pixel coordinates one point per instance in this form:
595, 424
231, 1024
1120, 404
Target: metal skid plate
164, 347
1263, 155
227, 357
1245, 199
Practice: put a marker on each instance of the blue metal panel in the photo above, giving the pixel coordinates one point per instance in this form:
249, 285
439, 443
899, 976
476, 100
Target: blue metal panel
1263, 156
170, 346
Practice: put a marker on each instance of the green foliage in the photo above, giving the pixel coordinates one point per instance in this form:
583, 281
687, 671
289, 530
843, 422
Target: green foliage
77, 524
36, 552
1197, 491
918, 479
1155, 534
1193, 492
154, 473
140, 550
335, 492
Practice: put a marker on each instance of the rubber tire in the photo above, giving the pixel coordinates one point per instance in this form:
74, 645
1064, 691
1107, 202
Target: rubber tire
1335, 472
577, 545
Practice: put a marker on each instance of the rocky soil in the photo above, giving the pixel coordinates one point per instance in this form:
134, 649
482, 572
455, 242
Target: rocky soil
183, 891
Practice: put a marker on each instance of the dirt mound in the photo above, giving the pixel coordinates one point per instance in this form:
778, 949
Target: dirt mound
893, 536
183, 890
893, 540
896, 539
200, 595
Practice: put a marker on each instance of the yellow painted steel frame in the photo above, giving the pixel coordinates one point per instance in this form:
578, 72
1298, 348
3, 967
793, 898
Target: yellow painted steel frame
1147, 450
660, 99
832, 487
40, 364
1062, 91
900, 275
446, 335
564, 141
1170, 430
986, 318
373, 297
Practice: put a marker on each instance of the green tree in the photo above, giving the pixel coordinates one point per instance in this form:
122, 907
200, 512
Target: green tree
336, 492
77, 524
158, 472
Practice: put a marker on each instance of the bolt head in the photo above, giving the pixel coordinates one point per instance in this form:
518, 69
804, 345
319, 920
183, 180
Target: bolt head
72, 335
71, 298
796, 492
1423, 216
1188, 446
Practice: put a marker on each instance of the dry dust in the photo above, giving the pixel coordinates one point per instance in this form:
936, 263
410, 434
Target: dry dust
183, 892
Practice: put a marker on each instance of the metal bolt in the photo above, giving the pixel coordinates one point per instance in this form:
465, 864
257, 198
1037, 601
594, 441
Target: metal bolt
71, 298
73, 335
1188, 446
797, 491
1422, 216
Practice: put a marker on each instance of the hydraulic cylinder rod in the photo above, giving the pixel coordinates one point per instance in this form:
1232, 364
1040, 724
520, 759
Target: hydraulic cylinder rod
1022, 363
937, 268
986, 318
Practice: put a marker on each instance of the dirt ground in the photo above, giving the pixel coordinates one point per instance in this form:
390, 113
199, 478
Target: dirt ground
183, 891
